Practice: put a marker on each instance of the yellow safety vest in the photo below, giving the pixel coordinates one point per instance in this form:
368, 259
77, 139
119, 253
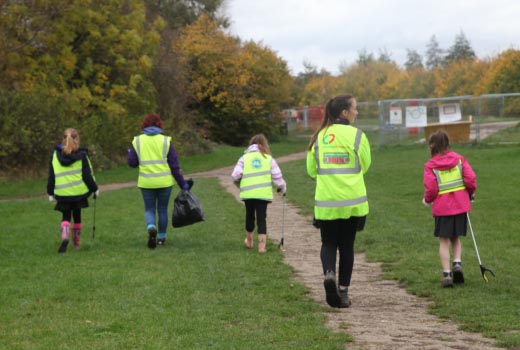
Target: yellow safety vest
340, 186
68, 180
152, 151
256, 182
450, 180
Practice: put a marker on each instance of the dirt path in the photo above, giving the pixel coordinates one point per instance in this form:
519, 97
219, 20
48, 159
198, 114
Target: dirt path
383, 315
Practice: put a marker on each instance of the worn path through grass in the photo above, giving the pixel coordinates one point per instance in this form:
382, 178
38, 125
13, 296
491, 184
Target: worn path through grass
383, 315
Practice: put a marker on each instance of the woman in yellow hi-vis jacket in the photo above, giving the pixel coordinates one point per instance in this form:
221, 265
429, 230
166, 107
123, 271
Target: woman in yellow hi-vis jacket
338, 157
155, 156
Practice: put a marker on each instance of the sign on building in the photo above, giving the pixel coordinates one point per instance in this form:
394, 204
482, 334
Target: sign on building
416, 116
449, 113
396, 116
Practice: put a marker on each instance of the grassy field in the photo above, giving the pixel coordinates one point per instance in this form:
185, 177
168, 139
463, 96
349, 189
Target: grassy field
203, 290
399, 233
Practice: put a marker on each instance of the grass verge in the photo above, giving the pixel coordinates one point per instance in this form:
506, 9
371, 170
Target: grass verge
399, 233
202, 290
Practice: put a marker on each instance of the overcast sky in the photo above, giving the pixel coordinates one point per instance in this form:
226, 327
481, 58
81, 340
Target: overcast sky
328, 33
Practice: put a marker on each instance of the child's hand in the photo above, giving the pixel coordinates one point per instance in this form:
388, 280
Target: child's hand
426, 204
282, 189
51, 199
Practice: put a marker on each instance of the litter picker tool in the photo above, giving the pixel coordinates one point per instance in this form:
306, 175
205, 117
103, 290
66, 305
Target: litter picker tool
483, 269
280, 245
94, 221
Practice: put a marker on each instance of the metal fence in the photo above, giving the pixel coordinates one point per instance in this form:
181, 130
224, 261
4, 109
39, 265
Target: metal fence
469, 119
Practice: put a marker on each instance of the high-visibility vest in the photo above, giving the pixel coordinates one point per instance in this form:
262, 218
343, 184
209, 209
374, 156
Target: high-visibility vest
340, 186
152, 151
450, 180
68, 180
256, 182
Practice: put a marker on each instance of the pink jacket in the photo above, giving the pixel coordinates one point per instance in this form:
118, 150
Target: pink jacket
450, 203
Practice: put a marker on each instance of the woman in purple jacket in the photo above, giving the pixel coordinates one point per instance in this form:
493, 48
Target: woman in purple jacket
157, 160
449, 186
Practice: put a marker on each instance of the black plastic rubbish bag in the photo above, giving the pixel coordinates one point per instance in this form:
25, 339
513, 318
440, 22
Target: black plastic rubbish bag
186, 209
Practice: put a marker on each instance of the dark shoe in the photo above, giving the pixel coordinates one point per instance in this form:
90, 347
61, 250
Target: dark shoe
63, 246
152, 237
331, 289
343, 298
447, 282
161, 241
458, 275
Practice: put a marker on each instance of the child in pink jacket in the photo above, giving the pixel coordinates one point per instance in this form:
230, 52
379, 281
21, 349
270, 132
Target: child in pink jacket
449, 186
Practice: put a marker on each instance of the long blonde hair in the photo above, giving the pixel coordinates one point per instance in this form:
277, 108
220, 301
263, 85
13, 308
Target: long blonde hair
70, 143
262, 143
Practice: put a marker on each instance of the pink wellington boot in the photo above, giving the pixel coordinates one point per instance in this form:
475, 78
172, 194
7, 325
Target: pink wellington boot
76, 234
65, 227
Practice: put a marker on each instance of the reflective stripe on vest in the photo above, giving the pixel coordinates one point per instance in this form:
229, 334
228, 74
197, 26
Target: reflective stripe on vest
450, 180
340, 187
68, 180
152, 151
256, 182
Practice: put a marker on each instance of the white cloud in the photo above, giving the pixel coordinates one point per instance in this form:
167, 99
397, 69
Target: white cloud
330, 32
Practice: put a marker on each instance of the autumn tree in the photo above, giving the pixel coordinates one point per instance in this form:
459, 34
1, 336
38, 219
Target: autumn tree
502, 77
459, 78
319, 90
235, 87
368, 80
92, 59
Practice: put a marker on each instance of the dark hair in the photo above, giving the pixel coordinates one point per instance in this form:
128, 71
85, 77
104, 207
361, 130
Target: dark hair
333, 110
261, 141
152, 119
439, 142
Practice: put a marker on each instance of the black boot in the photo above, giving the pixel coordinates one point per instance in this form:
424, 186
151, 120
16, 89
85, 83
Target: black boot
344, 299
331, 289
458, 275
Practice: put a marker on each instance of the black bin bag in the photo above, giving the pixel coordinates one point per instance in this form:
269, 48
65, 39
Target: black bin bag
186, 209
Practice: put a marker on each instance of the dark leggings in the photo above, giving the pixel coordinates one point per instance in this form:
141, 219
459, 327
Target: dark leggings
75, 213
258, 207
338, 235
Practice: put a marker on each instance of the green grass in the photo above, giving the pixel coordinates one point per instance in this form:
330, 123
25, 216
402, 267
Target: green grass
399, 233
509, 135
202, 290
220, 157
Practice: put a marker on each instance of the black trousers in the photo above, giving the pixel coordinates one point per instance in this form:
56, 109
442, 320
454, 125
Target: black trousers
73, 213
258, 208
338, 235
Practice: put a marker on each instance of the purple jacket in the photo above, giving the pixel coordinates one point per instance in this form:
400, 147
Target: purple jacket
173, 160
